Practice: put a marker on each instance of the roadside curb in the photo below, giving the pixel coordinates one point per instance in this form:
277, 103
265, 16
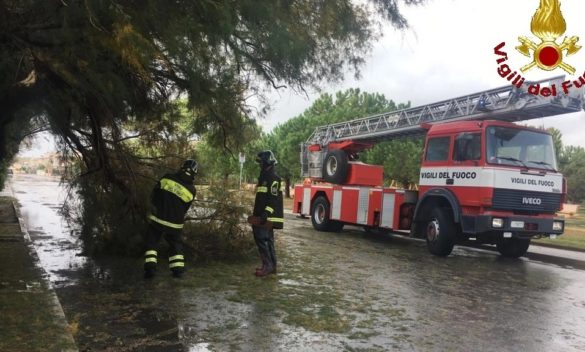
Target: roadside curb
557, 246
56, 307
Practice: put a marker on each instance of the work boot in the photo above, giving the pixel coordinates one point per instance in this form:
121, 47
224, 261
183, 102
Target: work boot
177, 274
274, 271
268, 269
264, 261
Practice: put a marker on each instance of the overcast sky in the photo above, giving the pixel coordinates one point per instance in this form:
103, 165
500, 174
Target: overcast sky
449, 52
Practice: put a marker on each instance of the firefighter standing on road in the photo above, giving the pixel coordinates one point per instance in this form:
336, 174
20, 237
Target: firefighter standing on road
267, 214
171, 198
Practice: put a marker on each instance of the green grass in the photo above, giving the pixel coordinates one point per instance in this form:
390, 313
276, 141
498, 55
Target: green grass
577, 220
566, 240
574, 236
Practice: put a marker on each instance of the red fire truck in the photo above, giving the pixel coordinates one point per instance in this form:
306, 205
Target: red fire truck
483, 178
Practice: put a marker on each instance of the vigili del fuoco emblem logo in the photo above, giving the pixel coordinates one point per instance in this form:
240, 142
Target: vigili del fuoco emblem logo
548, 25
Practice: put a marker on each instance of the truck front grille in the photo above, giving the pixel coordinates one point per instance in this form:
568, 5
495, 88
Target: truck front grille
525, 201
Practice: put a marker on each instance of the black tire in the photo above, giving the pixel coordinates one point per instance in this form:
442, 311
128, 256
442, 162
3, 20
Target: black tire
513, 247
320, 216
440, 232
335, 226
335, 166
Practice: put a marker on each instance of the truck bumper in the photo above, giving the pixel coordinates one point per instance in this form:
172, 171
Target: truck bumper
519, 226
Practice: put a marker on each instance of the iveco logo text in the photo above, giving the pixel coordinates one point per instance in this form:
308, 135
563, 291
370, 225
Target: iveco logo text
531, 201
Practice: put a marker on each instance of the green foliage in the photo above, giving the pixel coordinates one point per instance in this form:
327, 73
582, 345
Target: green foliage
98, 215
401, 159
10, 138
557, 142
218, 229
107, 219
104, 76
90, 65
571, 162
4, 164
286, 138
220, 164
573, 169
152, 150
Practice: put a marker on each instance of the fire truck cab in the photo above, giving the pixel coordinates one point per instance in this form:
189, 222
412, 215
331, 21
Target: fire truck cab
491, 181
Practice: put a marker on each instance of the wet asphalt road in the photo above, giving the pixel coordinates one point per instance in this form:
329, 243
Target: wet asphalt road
348, 291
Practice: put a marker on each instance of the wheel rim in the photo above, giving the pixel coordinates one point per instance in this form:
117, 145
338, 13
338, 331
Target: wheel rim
331, 166
433, 230
319, 214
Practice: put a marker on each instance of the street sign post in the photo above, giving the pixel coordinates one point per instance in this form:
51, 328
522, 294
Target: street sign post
242, 161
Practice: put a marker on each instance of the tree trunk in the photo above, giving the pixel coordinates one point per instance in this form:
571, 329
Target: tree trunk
287, 187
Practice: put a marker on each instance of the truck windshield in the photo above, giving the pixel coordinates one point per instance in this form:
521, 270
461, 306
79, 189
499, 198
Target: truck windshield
518, 147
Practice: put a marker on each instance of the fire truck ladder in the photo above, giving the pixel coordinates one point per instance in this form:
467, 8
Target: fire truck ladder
507, 103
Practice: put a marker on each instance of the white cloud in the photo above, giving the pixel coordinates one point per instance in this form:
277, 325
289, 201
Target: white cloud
448, 53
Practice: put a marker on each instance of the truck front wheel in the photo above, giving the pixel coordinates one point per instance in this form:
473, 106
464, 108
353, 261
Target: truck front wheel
320, 216
513, 247
440, 232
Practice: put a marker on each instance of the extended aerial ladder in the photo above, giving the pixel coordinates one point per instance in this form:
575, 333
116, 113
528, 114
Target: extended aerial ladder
507, 103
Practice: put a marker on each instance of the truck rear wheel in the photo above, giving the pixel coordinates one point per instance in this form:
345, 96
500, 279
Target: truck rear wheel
320, 216
335, 166
440, 232
513, 247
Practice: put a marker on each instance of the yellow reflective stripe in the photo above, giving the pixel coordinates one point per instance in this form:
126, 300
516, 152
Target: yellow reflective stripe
177, 189
261, 189
150, 253
150, 260
274, 188
176, 264
269, 209
176, 257
276, 219
165, 223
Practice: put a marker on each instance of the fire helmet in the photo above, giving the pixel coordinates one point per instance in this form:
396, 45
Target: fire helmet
266, 157
189, 167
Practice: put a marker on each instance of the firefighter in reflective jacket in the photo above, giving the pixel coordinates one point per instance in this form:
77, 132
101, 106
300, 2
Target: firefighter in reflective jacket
267, 214
171, 198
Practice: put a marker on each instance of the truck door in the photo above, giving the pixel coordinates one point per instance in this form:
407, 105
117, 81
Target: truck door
466, 171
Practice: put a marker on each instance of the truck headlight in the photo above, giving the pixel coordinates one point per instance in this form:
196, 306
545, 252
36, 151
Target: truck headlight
558, 225
497, 223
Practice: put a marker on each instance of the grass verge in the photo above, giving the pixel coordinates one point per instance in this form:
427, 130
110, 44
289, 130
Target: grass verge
574, 236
